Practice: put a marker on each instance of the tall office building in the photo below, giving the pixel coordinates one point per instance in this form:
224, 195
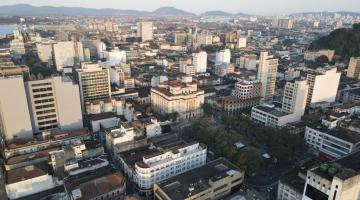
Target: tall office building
145, 31
94, 82
200, 61
14, 113
223, 57
54, 103
295, 96
323, 84
354, 68
268, 66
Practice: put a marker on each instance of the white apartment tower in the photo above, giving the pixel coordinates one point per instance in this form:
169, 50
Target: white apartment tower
200, 61
14, 112
145, 31
223, 57
67, 53
268, 66
17, 47
94, 82
324, 85
54, 103
294, 99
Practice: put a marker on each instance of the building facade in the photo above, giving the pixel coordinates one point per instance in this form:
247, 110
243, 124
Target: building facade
145, 31
354, 68
267, 75
94, 83
49, 104
323, 85
200, 61
178, 97
14, 111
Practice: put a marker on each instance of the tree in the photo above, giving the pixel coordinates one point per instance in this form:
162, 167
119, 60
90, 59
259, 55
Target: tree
320, 61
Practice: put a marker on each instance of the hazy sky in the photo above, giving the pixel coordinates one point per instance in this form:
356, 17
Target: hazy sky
199, 6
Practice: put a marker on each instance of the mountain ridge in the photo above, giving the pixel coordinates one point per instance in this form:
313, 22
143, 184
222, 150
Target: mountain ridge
29, 10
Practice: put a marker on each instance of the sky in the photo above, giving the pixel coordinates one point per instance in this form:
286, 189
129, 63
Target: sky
263, 7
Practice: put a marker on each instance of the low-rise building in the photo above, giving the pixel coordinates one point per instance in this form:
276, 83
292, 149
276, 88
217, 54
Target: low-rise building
184, 98
109, 187
313, 55
25, 181
337, 180
152, 164
331, 140
214, 180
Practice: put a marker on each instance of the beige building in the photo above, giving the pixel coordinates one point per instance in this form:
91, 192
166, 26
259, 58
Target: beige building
54, 103
188, 69
215, 180
313, 55
145, 31
14, 70
183, 98
354, 68
337, 180
268, 66
284, 23
14, 112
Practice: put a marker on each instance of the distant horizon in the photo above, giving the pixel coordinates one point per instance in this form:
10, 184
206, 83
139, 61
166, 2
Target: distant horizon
273, 7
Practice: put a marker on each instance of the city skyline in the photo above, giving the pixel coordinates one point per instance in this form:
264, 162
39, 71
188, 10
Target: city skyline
276, 7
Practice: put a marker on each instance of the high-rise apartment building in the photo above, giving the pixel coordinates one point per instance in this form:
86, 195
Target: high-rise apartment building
242, 42
200, 61
14, 112
268, 66
323, 84
293, 107
188, 69
67, 53
223, 57
94, 82
295, 96
145, 31
54, 103
354, 68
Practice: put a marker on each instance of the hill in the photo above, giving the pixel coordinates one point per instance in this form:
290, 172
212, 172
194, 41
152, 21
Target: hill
171, 11
216, 13
345, 42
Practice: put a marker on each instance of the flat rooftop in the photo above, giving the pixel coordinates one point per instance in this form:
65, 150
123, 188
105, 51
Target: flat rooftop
197, 179
271, 111
345, 167
338, 132
26, 173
